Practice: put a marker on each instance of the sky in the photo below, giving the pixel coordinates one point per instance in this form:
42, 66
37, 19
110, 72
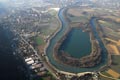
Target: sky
7, 0
4, 0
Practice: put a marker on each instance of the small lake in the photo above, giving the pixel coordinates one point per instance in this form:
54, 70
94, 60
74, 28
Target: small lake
77, 44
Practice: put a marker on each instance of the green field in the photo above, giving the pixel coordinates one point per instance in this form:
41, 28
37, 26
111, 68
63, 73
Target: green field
39, 41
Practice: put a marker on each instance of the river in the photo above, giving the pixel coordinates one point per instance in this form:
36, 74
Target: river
58, 36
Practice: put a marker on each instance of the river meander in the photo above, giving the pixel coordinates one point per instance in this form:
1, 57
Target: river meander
58, 36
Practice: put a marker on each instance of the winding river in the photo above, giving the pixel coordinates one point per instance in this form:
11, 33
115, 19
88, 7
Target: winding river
58, 36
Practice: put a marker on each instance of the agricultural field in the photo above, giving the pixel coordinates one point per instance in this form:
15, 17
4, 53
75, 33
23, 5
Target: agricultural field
39, 40
111, 29
51, 28
75, 19
116, 63
113, 73
114, 70
109, 24
104, 78
79, 12
109, 74
113, 49
114, 18
78, 15
53, 24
